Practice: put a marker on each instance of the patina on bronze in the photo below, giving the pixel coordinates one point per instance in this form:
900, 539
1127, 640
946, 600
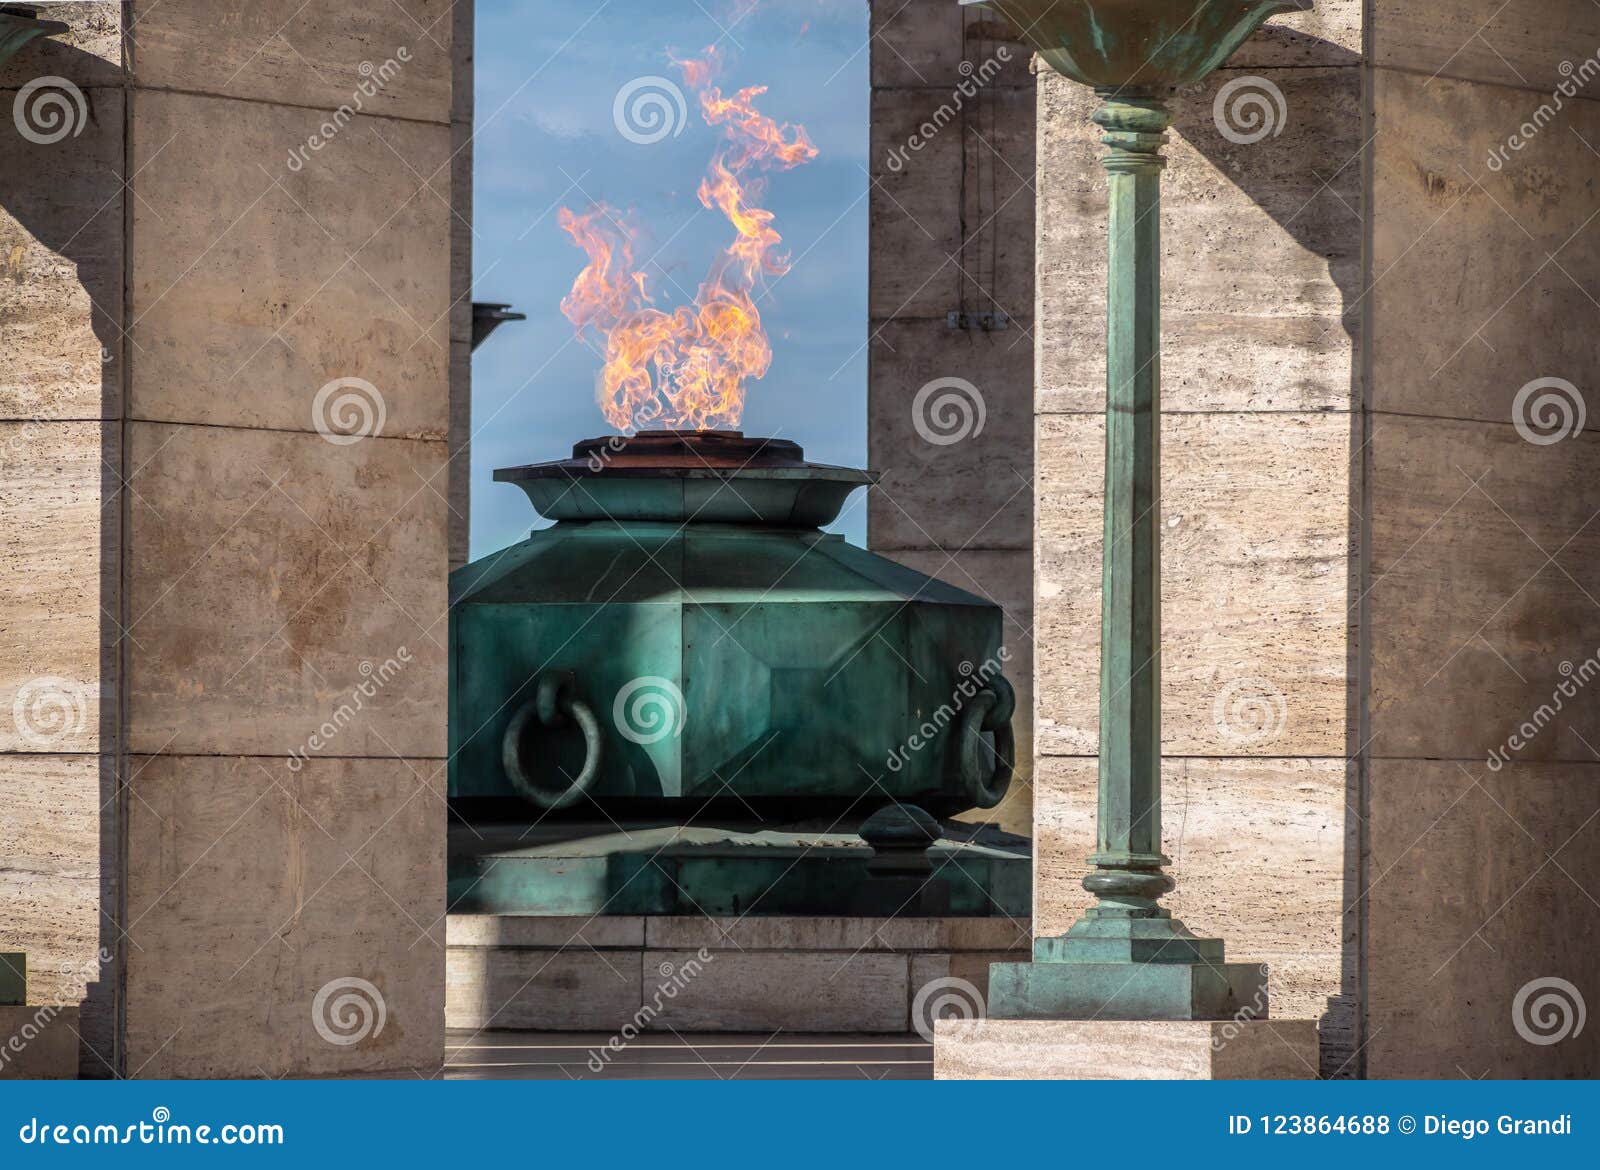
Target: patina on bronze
1127, 957
685, 643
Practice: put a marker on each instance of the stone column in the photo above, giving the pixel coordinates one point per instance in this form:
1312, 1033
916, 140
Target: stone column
235, 524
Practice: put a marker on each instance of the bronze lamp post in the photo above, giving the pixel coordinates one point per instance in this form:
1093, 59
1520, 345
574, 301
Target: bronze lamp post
1127, 957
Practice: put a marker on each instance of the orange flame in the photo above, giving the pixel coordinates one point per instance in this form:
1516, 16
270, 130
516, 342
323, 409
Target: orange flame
687, 369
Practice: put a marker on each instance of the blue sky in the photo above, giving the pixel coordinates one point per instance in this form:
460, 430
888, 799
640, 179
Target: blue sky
547, 77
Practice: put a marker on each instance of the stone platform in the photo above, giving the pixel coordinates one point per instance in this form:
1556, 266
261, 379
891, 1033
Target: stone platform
700, 974
1125, 1050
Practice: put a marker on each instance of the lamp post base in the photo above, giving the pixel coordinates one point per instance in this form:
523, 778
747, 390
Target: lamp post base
1118, 1050
1116, 967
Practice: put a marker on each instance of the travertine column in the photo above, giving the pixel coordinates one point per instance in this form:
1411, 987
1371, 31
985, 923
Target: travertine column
258, 474
951, 257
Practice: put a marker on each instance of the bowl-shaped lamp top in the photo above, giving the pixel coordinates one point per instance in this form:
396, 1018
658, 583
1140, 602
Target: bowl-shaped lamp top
1137, 45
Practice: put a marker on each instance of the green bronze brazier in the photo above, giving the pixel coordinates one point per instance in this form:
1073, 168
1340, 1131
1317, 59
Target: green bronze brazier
684, 633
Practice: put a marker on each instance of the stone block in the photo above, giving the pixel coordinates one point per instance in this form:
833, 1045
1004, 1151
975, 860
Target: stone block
459, 490
57, 556
52, 839
736, 991
461, 233
1463, 342
1165, 1050
1481, 921
556, 990
1261, 250
282, 922
1478, 635
1485, 40
998, 171
936, 44
61, 251
296, 271
950, 423
915, 208
516, 930
1262, 851
286, 588
38, 1043
1257, 605
318, 55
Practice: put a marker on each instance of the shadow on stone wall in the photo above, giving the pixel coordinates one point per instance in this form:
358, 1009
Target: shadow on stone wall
65, 198
1317, 197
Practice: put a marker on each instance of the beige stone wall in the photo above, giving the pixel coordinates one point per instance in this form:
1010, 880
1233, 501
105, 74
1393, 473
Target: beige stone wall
215, 575
952, 222
1480, 589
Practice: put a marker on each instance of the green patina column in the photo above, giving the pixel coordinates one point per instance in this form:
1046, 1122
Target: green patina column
15, 32
1127, 958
